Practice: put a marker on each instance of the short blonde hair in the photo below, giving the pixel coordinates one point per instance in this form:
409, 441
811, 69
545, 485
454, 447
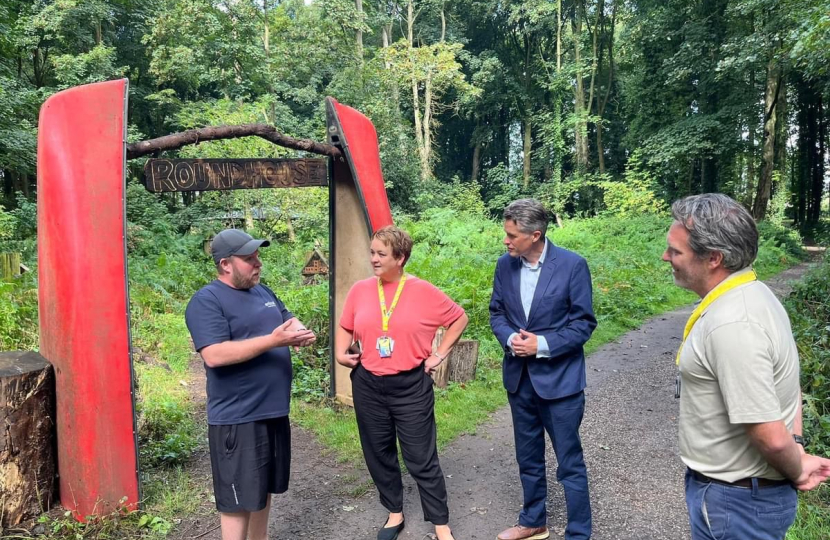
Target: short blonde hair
397, 239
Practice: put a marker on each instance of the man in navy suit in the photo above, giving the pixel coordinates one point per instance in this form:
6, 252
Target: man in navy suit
541, 313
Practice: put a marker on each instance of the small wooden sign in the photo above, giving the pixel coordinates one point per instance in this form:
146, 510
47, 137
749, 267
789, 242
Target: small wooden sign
316, 264
161, 175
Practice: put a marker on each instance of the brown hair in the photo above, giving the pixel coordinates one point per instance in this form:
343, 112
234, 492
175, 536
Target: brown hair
397, 239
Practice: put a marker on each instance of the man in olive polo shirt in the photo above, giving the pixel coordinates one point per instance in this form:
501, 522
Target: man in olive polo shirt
740, 401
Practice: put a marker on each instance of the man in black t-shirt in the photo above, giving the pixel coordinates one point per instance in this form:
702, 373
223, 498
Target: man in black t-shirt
243, 333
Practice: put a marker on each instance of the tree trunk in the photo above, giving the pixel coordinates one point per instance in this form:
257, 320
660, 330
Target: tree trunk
289, 226
750, 158
803, 154
27, 444
526, 149
781, 131
358, 4
476, 161
817, 184
759, 207
266, 33
600, 149
420, 128
580, 127
249, 215
610, 84
443, 25
709, 175
426, 125
557, 113
752, 128
20, 182
387, 39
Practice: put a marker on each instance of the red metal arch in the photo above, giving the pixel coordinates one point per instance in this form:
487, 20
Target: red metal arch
83, 293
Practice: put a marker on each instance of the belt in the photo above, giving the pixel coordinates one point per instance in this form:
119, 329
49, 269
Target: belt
743, 482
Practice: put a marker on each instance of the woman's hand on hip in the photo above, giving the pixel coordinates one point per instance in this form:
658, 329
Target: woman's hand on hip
432, 364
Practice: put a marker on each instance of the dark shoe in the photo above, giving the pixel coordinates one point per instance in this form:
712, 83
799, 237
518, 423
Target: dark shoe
520, 532
391, 533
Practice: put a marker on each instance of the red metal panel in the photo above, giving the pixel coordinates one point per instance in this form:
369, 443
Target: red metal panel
84, 325
359, 141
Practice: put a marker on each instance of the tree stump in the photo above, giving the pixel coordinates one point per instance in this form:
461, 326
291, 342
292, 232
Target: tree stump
463, 360
9, 265
27, 443
460, 365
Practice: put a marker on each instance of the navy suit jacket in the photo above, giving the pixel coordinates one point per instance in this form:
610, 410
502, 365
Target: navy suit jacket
561, 311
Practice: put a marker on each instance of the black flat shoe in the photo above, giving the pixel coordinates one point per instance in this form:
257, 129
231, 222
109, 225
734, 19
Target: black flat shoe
391, 533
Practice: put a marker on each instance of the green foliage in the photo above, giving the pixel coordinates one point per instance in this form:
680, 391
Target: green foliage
501, 186
465, 199
17, 126
636, 194
777, 210
18, 313
812, 521
809, 309
781, 237
7, 224
810, 36
457, 252
121, 523
818, 232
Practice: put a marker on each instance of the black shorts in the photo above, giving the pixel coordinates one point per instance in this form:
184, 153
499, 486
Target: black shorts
249, 462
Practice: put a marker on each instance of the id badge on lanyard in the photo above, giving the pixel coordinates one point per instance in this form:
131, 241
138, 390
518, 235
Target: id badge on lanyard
386, 344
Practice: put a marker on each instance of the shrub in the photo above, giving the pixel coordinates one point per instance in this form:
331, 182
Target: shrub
18, 313
809, 308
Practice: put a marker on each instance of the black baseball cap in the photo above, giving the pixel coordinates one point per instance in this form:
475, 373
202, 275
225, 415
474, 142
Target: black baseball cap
234, 242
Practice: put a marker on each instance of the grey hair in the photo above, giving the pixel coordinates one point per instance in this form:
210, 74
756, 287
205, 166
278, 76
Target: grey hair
718, 223
529, 215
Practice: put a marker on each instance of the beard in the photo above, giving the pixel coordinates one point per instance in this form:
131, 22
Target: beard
690, 280
243, 282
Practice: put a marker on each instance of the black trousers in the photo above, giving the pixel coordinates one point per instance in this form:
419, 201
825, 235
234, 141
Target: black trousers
402, 407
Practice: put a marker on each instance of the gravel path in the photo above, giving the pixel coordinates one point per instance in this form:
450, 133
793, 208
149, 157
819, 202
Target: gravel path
630, 440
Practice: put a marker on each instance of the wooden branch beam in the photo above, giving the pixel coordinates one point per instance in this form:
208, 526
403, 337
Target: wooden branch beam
215, 133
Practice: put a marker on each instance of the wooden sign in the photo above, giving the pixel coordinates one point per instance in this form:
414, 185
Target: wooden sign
316, 264
212, 174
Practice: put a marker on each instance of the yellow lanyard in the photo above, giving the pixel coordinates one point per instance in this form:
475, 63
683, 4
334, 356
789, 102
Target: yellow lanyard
724, 286
386, 315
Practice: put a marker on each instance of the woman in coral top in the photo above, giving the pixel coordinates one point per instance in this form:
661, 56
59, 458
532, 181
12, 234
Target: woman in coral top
394, 317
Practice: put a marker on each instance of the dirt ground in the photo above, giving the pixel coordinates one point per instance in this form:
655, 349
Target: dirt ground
629, 435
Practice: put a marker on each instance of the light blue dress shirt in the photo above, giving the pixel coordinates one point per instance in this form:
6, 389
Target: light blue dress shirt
527, 285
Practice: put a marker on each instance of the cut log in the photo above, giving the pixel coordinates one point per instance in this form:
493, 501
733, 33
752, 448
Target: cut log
460, 365
27, 444
462, 360
9, 265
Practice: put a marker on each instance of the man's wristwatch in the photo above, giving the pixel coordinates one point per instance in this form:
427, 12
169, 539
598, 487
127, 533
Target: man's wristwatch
799, 440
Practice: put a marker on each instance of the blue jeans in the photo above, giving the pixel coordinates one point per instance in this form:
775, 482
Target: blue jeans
560, 418
721, 512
